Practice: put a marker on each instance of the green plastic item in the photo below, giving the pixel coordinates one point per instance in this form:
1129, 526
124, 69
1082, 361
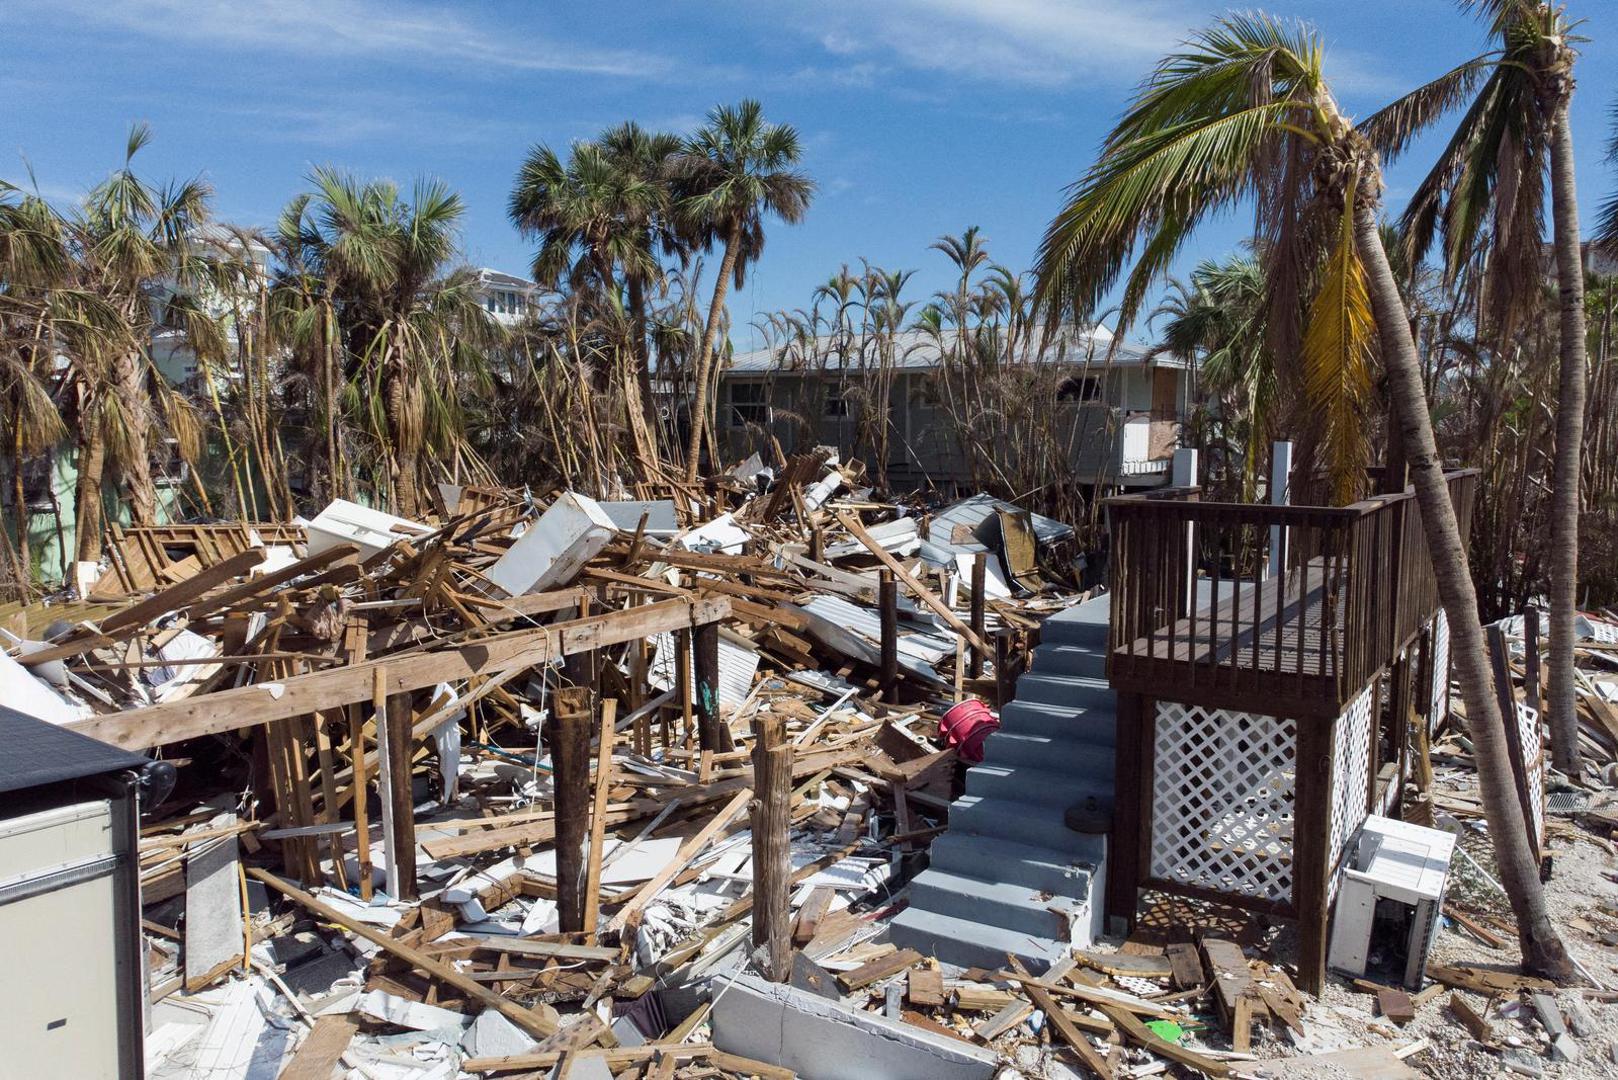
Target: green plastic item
1167, 1030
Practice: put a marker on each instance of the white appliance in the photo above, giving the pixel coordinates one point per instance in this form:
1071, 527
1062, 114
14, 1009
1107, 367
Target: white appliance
1389, 901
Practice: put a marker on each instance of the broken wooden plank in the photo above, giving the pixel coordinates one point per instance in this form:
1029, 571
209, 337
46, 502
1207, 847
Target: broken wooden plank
322, 1049
878, 969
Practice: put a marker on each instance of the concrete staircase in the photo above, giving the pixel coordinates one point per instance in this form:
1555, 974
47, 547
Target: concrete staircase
1009, 876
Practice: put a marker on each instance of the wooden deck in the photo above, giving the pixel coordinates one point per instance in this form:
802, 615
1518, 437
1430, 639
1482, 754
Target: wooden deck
1196, 619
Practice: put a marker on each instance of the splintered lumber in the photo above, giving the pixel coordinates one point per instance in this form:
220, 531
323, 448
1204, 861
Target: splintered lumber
920, 591
540, 1022
926, 986
322, 1049
1014, 1013
228, 710
570, 764
772, 863
1061, 1022
1234, 993
264, 583
814, 909
1486, 981
1396, 1005
1136, 1031
1474, 1022
1126, 964
1185, 966
880, 968
688, 851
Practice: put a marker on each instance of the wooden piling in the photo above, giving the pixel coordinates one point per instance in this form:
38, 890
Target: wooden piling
980, 573
570, 780
888, 609
705, 661
772, 867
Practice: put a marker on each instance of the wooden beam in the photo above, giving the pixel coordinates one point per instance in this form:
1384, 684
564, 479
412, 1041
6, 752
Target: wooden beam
598, 811
540, 1022
772, 865
705, 666
228, 710
393, 730
921, 592
888, 619
265, 582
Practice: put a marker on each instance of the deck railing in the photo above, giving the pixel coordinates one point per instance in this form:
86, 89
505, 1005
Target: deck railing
1298, 606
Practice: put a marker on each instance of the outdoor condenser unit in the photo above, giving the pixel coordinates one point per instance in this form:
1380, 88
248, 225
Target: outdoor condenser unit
72, 997
1389, 901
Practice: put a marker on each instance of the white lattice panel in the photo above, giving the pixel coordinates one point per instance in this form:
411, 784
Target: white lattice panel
1533, 753
1351, 769
1440, 689
1222, 800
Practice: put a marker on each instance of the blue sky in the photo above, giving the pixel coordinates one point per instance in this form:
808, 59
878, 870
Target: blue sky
918, 117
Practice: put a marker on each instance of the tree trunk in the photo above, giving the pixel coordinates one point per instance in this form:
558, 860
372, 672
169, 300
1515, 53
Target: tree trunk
1564, 552
134, 469
402, 462
1542, 950
19, 503
699, 408
643, 363
87, 508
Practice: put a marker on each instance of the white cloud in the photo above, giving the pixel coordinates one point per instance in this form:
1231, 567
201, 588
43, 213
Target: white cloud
348, 28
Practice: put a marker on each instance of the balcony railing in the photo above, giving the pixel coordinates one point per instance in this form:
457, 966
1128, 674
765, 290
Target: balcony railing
1267, 608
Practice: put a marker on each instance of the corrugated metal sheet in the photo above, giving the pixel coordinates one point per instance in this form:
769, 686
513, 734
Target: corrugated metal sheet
959, 519
856, 631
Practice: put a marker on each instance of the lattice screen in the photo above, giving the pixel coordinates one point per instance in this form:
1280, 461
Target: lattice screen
1533, 752
1351, 767
1440, 694
1223, 799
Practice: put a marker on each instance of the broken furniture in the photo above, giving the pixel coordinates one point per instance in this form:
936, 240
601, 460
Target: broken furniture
1251, 702
1389, 900
74, 994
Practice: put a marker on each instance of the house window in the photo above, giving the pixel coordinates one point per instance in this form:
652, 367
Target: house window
1079, 388
748, 403
835, 407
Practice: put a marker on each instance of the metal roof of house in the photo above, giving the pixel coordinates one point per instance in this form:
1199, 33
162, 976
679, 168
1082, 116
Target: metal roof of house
921, 350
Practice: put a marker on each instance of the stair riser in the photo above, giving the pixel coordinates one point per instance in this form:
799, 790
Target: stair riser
968, 954
1028, 919
1036, 830
1052, 755
1068, 661
1058, 794
1084, 729
1046, 877
1063, 692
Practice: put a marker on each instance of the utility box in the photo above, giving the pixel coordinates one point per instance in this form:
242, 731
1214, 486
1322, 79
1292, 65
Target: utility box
72, 1002
555, 548
1389, 901
344, 522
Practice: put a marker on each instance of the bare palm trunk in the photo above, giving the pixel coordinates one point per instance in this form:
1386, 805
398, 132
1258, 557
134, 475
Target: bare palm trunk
402, 463
1564, 553
25, 562
1542, 950
87, 510
643, 368
716, 310
134, 469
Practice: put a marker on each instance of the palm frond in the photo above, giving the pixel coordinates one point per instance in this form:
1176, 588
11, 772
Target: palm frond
1337, 345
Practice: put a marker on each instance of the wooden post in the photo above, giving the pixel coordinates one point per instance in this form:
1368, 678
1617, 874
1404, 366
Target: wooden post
1533, 686
1129, 845
583, 668
682, 679
1500, 659
598, 815
393, 722
570, 780
1280, 495
888, 611
705, 661
772, 868
817, 545
1005, 680
356, 750
980, 576
1311, 836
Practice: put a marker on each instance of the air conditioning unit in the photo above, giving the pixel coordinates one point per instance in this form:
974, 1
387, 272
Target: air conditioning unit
1389, 900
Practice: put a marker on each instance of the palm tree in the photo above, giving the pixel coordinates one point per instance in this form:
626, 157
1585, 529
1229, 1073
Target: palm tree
1606, 236
1218, 324
600, 214
1245, 113
404, 338
735, 170
139, 249
1488, 189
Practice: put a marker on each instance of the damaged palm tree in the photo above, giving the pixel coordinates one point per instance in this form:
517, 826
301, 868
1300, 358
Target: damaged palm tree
1245, 112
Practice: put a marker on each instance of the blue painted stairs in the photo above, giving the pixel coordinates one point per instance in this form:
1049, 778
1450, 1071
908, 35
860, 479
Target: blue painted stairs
1009, 875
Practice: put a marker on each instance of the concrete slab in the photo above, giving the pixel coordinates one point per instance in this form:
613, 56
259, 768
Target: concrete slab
821, 1039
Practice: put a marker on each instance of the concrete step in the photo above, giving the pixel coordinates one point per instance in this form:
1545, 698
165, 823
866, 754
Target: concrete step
969, 943
1075, 631
1067, 691
1035, 824
1056, 753
1053, 659
1056, 789
996, 858
999, 903
1090, 727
